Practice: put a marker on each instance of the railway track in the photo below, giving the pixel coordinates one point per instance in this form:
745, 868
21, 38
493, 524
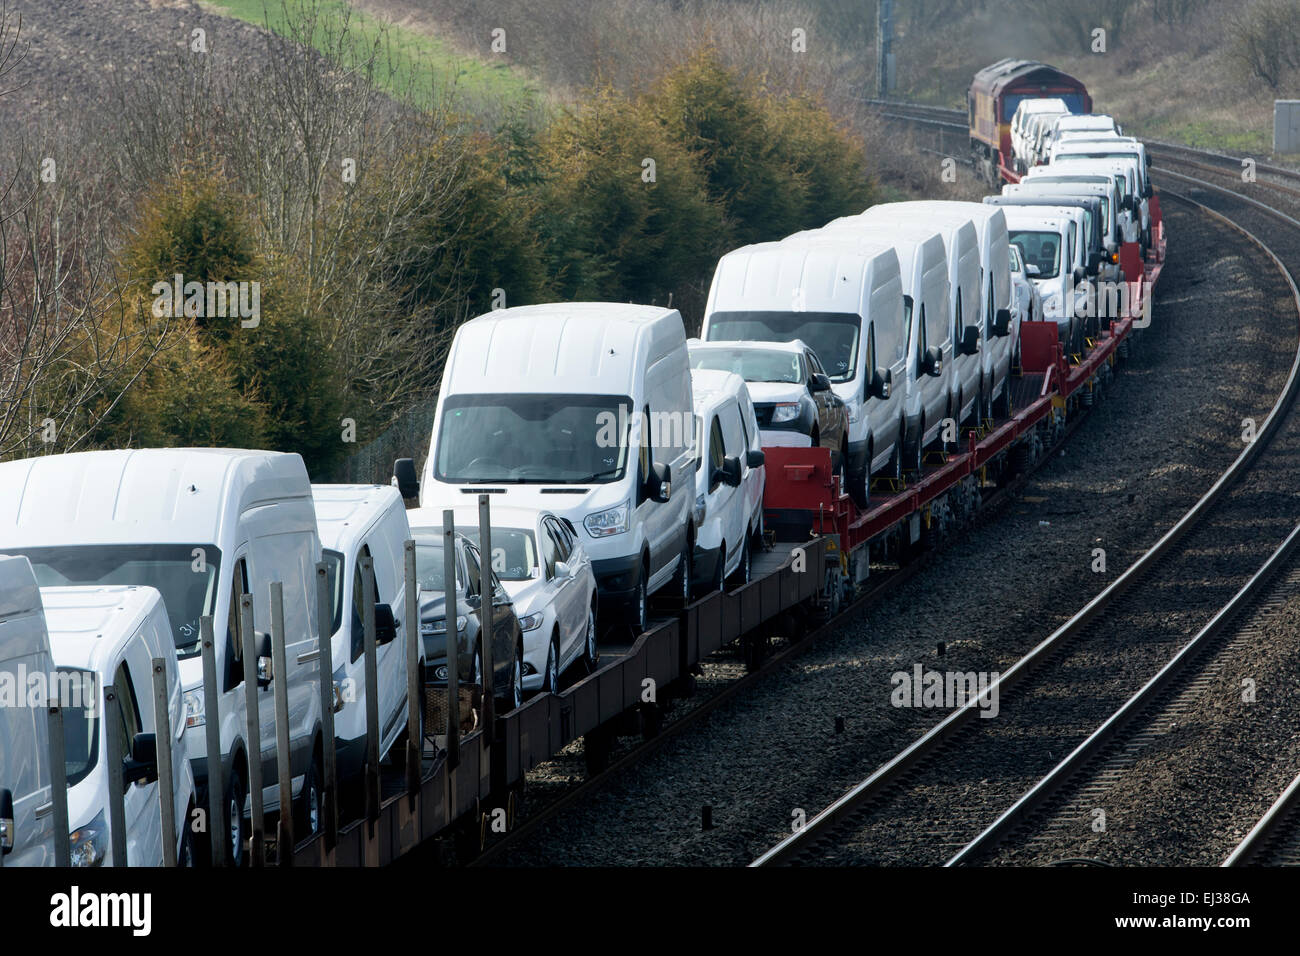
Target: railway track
941, 794
1275, 839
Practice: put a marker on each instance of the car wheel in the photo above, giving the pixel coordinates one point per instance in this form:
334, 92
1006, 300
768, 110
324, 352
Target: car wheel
235, 818
517, 680
591, 650
553, 666
684, 571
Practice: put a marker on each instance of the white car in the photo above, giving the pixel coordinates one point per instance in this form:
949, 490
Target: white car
541, 562
729, 480
1025, 297
103, 635
1024, 127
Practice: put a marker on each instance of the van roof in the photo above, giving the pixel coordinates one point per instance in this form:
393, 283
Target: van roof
1034, 217
160, 495
88, 624
952, 208
345, 512
793, 347
589, 347
815, 264
711, 386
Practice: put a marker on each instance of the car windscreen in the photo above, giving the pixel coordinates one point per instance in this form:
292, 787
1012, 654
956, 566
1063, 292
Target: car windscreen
185, 574
833, 336
514, 551
753, 365
428, 558
1041, 249
530, 438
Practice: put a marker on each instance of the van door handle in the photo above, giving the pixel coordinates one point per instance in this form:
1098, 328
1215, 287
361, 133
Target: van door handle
44, 810
309, 657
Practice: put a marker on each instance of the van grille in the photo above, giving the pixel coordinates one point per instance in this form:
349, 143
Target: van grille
565, 491
482, 491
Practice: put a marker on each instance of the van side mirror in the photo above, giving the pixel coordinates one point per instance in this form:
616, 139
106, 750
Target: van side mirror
881, 383
1078, 275
265, 669
819, 382
970, 340
6, 822
659, 484
405, 478
385, 625
1094, 262
755, 459
1147, 191
1112, 249
933, 364
730, 472
562, 570
142, 765
1002, 323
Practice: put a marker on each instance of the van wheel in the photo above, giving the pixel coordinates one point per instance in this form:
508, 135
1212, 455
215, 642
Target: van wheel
682, 579
553, 665
861, 490
741, 576
591, 650
185, 855
310, 803
914, 453
637, 609
235, 819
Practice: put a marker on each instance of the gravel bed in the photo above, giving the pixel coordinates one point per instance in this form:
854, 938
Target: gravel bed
1166, 431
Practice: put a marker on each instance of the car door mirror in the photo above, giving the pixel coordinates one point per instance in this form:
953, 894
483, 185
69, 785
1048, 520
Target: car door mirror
142, 765
730, 472
659, 484
933, 364
1002, 323
881, 384
970, 340
474, 601
819, 382
755, 459
6, 822
385, 625
405, 478
562, 570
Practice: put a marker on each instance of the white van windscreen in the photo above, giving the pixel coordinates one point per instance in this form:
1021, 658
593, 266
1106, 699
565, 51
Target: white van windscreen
1041, 249
832, 335
185, 574
533, 438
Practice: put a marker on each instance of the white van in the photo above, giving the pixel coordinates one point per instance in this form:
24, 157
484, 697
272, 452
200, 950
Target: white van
928, 379
841, 297
1120, 172
111, 635
26, 807
1090, 122
204, 527
582, 409
1048, 239
961, 244
729, 480
1023, 126
1075, 187
1116, 148
356, 521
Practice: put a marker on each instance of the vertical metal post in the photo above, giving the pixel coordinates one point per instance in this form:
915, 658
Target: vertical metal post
113, 731
414, 692
371, 651
59, 784
218, 819
486, 594
325, 658
254, 731
284, 840
162, 730
451, 609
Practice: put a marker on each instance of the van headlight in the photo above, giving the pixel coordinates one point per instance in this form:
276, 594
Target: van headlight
614, 520
784, 412
531, 622
194, 708
89, 842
